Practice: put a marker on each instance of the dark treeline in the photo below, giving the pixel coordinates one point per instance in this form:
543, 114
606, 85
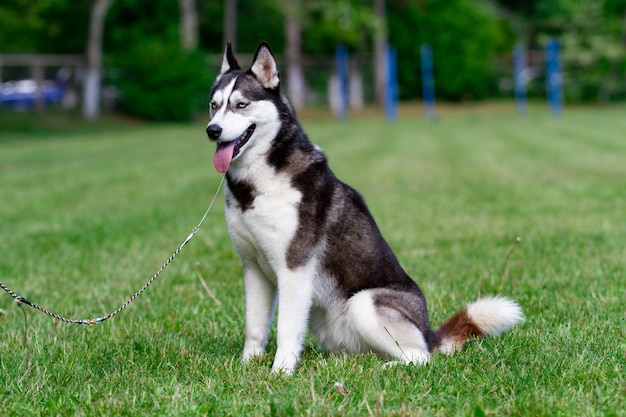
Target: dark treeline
471, 40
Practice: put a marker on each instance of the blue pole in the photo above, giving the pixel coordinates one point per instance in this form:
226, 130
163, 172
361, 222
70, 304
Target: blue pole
428, 80
521, 79
391, 96
341, 58
554, 77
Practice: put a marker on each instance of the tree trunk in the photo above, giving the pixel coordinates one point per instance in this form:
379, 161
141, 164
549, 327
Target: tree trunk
356, 84
188, 25
293, 36
380, 47
230, 23
93, 79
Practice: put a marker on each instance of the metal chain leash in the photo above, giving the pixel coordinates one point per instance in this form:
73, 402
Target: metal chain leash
93, 321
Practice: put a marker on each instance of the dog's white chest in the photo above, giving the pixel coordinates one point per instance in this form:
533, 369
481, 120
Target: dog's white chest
263, 231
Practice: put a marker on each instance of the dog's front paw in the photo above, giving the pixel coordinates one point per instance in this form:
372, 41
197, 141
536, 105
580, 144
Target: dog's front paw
284, 363
283, 369
251, 352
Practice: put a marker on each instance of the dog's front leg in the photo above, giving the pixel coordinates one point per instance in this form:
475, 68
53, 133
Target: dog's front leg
260, 294
295, 295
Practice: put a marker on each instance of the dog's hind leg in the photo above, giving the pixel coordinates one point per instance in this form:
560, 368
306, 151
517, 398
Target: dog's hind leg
260, 295
386, 330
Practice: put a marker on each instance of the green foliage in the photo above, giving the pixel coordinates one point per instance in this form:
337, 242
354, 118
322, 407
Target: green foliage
131, 23
463, 34
45, 26
211, 25
329, 23
593, 55
92, 215
258, 20
17, 19
159, 81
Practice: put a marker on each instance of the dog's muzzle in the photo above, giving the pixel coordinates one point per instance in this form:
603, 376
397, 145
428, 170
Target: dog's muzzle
227, 151
213, 132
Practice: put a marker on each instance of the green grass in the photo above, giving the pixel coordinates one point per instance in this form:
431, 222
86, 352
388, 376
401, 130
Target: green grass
87, 215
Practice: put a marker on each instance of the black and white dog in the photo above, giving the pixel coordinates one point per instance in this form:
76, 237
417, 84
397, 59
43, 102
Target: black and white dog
308, 242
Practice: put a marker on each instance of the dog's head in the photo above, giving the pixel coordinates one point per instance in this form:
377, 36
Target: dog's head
244, 106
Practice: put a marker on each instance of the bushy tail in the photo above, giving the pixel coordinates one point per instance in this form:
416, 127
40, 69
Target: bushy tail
488, 316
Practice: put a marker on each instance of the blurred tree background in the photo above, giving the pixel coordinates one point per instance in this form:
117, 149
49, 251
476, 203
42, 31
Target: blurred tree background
160, 75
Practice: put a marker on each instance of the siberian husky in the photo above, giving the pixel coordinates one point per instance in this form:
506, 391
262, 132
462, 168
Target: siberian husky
308, 242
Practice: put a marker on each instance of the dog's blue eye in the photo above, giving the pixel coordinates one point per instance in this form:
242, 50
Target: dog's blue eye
212, 105
242, 105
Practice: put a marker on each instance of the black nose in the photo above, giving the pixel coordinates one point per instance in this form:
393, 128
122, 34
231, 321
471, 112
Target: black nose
213, 131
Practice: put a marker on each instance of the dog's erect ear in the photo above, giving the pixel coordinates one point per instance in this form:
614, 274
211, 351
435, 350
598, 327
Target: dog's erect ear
229, 62
264, 66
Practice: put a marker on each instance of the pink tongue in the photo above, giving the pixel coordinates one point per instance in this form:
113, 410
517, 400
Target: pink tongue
223, 156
